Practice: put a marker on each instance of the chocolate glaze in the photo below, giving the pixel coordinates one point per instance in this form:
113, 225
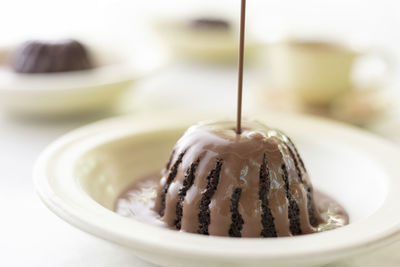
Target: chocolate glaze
138, 202
240, 66
250, 185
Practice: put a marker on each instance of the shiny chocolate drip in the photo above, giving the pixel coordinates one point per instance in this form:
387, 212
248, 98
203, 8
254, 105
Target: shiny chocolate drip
296, 158
250, 185
293, 207
212, 183
170, 178
267, 219
237, 220
187, 183
240, 66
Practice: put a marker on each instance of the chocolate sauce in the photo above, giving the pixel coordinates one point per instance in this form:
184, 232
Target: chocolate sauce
240, 67
138, 203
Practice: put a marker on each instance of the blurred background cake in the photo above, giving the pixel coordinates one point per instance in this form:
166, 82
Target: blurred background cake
206, 39
51, 56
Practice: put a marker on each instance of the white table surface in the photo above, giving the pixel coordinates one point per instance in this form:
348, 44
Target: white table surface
30, 235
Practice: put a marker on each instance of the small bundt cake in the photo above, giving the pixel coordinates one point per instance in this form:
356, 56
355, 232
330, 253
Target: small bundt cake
46, 57
210, 24
252, 184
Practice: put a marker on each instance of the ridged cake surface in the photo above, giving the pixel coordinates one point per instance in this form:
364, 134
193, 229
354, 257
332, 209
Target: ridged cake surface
47, 57
252, 184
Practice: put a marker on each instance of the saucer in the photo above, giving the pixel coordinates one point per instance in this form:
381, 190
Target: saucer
73, 92
80, 176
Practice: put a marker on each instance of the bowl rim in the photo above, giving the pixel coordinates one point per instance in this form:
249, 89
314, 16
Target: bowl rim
103, 223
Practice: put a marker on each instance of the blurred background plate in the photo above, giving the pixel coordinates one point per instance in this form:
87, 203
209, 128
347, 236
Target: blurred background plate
74, 92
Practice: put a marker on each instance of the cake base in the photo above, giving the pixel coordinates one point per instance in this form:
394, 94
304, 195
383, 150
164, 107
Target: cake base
138, 201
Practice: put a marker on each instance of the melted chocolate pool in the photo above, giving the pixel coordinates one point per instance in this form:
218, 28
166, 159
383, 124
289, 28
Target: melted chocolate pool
138, 203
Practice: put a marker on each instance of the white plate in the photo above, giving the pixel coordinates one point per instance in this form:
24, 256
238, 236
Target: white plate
74, 92
79, 177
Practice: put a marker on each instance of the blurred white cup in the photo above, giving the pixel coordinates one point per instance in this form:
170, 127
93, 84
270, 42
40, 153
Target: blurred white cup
317, 72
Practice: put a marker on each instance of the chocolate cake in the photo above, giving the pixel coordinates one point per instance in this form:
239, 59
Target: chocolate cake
252, 184
210, 24
233, 179
47, 57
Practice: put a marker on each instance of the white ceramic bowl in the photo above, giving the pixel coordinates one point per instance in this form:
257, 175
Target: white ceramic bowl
79, 177
70, 93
